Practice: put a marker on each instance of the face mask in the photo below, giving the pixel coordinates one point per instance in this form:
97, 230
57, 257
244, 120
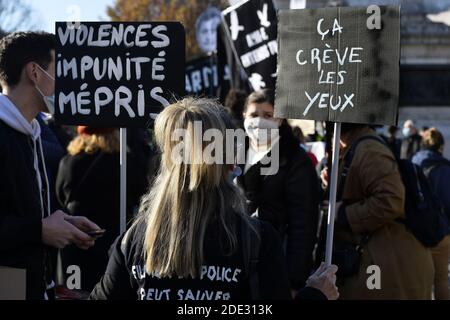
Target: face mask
406, 132
260, 130
48, 100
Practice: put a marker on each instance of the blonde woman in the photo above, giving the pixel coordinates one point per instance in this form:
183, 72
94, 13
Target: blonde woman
192, 240
88, 182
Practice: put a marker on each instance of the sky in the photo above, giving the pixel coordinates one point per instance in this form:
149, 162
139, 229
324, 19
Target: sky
49, 11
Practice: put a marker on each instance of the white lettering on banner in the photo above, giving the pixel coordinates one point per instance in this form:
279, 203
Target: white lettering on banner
199, 80
325, 56
336, 28
108, 35
235, 27
91, 100
259, 54
256, 37
263, 16
123, 99
111, 68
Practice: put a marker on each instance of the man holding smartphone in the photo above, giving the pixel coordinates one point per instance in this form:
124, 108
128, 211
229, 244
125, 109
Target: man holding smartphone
28, 229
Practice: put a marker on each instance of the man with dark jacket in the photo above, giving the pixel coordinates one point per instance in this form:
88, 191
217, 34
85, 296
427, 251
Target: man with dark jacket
28, 228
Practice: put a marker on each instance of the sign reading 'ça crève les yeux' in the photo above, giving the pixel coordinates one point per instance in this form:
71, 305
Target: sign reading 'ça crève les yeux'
339, 64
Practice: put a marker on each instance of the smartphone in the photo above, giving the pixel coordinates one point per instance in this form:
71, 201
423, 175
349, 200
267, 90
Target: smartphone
96, 233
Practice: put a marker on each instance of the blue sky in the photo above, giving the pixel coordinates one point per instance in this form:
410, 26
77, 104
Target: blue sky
49, 11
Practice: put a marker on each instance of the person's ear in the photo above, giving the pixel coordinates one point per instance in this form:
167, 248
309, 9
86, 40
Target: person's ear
30, 71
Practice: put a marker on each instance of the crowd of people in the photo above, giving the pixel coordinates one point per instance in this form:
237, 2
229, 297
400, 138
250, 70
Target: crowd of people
200, 230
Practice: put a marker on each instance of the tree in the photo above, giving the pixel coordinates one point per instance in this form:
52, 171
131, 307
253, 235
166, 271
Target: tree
185, 11
15, 16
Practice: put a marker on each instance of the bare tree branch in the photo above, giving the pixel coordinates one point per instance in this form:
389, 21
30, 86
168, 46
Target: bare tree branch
15, 16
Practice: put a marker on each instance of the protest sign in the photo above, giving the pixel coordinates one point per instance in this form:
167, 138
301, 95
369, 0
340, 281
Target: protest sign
252, 31
339, 65
202, 76
117, 74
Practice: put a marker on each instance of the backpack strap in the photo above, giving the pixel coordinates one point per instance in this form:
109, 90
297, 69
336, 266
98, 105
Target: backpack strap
348, 161
251, 247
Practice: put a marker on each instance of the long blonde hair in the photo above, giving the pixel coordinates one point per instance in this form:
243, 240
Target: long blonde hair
186, 196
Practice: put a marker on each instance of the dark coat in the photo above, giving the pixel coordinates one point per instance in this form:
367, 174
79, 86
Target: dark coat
410, 145
439, 174
89, 185
289, 200
53, 153
20, 211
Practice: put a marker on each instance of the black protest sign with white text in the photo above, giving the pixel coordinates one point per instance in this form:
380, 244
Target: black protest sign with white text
117, 74
252, 30
339, 65
202, 76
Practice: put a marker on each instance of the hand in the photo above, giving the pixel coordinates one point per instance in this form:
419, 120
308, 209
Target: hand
82, 223
324, 177
85, 225
58, 233
324, 279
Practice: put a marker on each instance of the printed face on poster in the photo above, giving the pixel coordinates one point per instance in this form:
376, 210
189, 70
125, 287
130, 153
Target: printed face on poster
206, 29
339, 65
117, 74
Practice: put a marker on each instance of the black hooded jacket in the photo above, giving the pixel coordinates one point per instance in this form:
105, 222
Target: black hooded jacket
224, 276
20, 211
289, 200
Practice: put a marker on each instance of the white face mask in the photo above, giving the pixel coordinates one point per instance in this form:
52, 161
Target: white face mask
406, 132
260, 130
48, 100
